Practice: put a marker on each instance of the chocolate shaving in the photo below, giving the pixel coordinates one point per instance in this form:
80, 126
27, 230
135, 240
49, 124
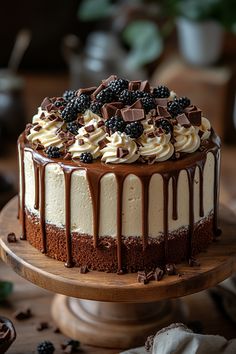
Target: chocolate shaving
132, 115
120, 152
11, 237
84, 269
183, 120
23, 314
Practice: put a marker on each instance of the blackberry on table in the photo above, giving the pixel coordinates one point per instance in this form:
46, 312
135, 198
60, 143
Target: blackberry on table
73, 127
174, 108
95, 107
148, 103
165, 125
115, 124
69, 95
106, 96
86, 157
118, 85
127, 97
183, 101
70, 112
134, 130
161, 92
53, 152
45, 347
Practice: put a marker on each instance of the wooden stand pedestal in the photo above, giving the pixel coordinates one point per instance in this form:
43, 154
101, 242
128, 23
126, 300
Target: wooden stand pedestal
117, 311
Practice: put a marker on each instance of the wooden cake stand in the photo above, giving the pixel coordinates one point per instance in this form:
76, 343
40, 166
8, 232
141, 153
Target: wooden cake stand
125, 312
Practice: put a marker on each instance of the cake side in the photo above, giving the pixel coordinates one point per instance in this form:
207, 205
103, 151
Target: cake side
149, 197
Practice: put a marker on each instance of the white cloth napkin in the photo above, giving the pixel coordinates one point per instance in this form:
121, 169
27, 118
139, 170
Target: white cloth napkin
178, 339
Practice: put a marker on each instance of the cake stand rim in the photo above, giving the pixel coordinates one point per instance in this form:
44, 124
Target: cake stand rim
29, 263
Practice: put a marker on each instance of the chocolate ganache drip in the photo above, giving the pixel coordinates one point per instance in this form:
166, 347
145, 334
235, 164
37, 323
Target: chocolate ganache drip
150, 139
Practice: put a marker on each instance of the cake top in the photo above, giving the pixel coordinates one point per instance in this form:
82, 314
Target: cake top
119, 121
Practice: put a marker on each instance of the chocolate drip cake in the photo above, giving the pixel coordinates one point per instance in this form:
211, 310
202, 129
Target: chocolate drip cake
119, 178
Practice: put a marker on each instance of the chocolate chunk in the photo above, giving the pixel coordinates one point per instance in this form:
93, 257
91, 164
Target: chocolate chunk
162, 111
102, 143
100, 123
142, 278
11, 237
56, 330
144, 86
81, 121
194, 115
137, 104
81, 142
23, 314
45, 103
67, 156
158, 274
42, 326
151, 135
170, 269
132, 115
120, 152
117, 104
193, 262
109, 79
161, 101
134, 85
86, 135
87, 91
37, 128
183, 120
108, 110
98, 89
84, 269
89, 128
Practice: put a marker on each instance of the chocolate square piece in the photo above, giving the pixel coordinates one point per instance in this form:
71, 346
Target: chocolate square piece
45, 103
183, 120
162, 111
161, 101
108, 110
98, 89
87, 91
144, 86
109, 79
195, 117
134, 85
132, 115
121, 152
137, 104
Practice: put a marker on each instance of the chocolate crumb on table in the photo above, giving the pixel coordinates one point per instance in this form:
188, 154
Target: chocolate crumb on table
11, 237
24, 314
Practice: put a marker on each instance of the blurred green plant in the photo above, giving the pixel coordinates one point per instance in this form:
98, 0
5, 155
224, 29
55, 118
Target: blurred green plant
6, 288
144, 37
222, 11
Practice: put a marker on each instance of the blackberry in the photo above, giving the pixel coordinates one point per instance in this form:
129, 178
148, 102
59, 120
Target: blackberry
161, 92
86, 157
53, 152
127, 97
45, 347
165, 125
81, 103
69, 95
60, 103
174, 108
115, 124
141, 94
95, 107
70, 112
148, 103
134, 130
183, 101
106, 96
73, 127
118, 85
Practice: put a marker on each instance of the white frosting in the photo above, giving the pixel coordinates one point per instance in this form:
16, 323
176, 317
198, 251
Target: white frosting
89, 116
48, 134
186, 139
117, 140
91, 142
205, 127
158, 147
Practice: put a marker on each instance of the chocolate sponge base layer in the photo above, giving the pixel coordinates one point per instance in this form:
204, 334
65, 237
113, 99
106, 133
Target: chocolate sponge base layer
134, 258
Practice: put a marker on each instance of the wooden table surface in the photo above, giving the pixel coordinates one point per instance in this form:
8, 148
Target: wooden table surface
201, 306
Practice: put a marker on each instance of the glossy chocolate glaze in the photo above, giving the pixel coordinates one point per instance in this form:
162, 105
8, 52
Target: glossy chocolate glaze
95, 171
